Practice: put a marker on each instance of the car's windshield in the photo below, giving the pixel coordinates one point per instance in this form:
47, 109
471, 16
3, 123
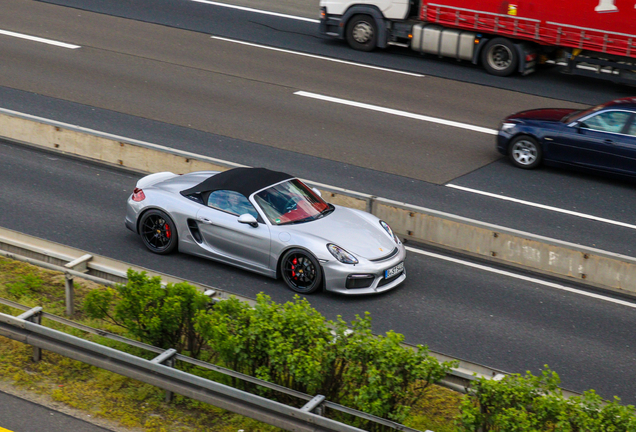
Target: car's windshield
291, 202
582, 113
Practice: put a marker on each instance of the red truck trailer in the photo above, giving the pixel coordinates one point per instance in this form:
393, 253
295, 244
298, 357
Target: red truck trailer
588, 37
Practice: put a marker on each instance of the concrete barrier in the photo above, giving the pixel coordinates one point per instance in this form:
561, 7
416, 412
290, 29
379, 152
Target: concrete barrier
590, 266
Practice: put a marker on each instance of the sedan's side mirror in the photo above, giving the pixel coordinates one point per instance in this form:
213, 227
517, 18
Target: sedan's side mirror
578, 126
317, 192
248, 219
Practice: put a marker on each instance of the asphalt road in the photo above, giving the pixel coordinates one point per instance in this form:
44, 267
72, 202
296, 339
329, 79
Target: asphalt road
20, 415
159, 77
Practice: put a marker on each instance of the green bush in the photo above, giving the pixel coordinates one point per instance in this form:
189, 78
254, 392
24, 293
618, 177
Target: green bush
535, 403
163, 317
295, 346
279, 344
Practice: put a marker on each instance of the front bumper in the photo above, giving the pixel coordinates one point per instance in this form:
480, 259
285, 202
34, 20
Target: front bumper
503, 140
330, 25
336, 274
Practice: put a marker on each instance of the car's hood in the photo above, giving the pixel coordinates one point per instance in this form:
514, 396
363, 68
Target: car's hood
362, 236
544, 114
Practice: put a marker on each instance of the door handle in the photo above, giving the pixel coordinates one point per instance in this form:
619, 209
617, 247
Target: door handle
205, 220
608, 141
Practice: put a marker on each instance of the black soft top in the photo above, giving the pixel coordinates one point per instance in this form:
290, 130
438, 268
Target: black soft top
243, 180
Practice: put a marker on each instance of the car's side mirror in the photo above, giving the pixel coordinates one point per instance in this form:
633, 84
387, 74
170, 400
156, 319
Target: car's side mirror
317, 192
248, 219
578, 126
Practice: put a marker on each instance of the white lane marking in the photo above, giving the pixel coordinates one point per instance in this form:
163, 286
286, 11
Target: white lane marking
257, 11
315, 56
522, 277
398, 113
39, 39
545, 207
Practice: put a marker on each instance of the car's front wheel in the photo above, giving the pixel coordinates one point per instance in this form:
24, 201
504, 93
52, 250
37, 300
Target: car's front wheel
301, 271
158, 232
525, 152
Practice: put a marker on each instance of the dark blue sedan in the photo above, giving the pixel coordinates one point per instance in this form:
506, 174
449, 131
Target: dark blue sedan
600, 138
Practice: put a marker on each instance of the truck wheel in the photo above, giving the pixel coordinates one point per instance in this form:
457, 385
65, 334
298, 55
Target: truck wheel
362, 33
500, 57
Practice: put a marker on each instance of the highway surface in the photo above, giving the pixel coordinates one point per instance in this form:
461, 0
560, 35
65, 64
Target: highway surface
20, 415
160, 77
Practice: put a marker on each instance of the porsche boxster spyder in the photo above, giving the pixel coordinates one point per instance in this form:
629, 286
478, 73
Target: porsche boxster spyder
268, 222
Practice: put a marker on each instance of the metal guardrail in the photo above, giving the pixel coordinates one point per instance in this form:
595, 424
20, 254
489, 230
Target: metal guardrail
173, 380
27, 328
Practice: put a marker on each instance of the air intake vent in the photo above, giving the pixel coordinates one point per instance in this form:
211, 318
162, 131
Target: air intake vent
194, 230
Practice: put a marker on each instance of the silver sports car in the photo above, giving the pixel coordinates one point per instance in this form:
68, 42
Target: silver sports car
268, 222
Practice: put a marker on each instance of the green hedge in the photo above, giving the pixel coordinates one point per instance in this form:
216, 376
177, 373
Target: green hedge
293, 345
535, 403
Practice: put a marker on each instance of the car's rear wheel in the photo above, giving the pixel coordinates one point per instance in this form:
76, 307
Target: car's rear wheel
158, 232
525, 152
301, 271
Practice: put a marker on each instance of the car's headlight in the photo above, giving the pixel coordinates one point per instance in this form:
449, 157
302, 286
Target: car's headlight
341, 255
390, 231
507, 126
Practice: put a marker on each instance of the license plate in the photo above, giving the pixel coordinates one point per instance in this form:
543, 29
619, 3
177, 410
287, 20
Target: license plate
394, 270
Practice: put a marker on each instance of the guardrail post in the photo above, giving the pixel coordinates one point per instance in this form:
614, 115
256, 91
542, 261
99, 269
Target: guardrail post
315, 405
166, 358
35, 316
370, 204
79, 264
69, 294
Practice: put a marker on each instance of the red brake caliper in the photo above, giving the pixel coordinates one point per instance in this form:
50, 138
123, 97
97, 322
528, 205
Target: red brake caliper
167, 227
294, 262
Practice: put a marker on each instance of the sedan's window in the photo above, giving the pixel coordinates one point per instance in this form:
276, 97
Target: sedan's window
231, 202
291, 202
607, 121
632, 129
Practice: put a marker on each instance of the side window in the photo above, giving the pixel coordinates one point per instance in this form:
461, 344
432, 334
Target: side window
632, 128
608, 121
231, 202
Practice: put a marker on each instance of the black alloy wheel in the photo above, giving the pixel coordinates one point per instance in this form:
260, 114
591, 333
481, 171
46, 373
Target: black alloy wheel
158, 232
301, 271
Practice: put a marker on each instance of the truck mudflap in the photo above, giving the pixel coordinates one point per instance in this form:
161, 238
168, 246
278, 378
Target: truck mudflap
528, 57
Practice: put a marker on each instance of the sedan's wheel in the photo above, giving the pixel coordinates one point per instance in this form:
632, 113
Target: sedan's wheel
525, 152
362, 33
158, 232
500, 57
301, 271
